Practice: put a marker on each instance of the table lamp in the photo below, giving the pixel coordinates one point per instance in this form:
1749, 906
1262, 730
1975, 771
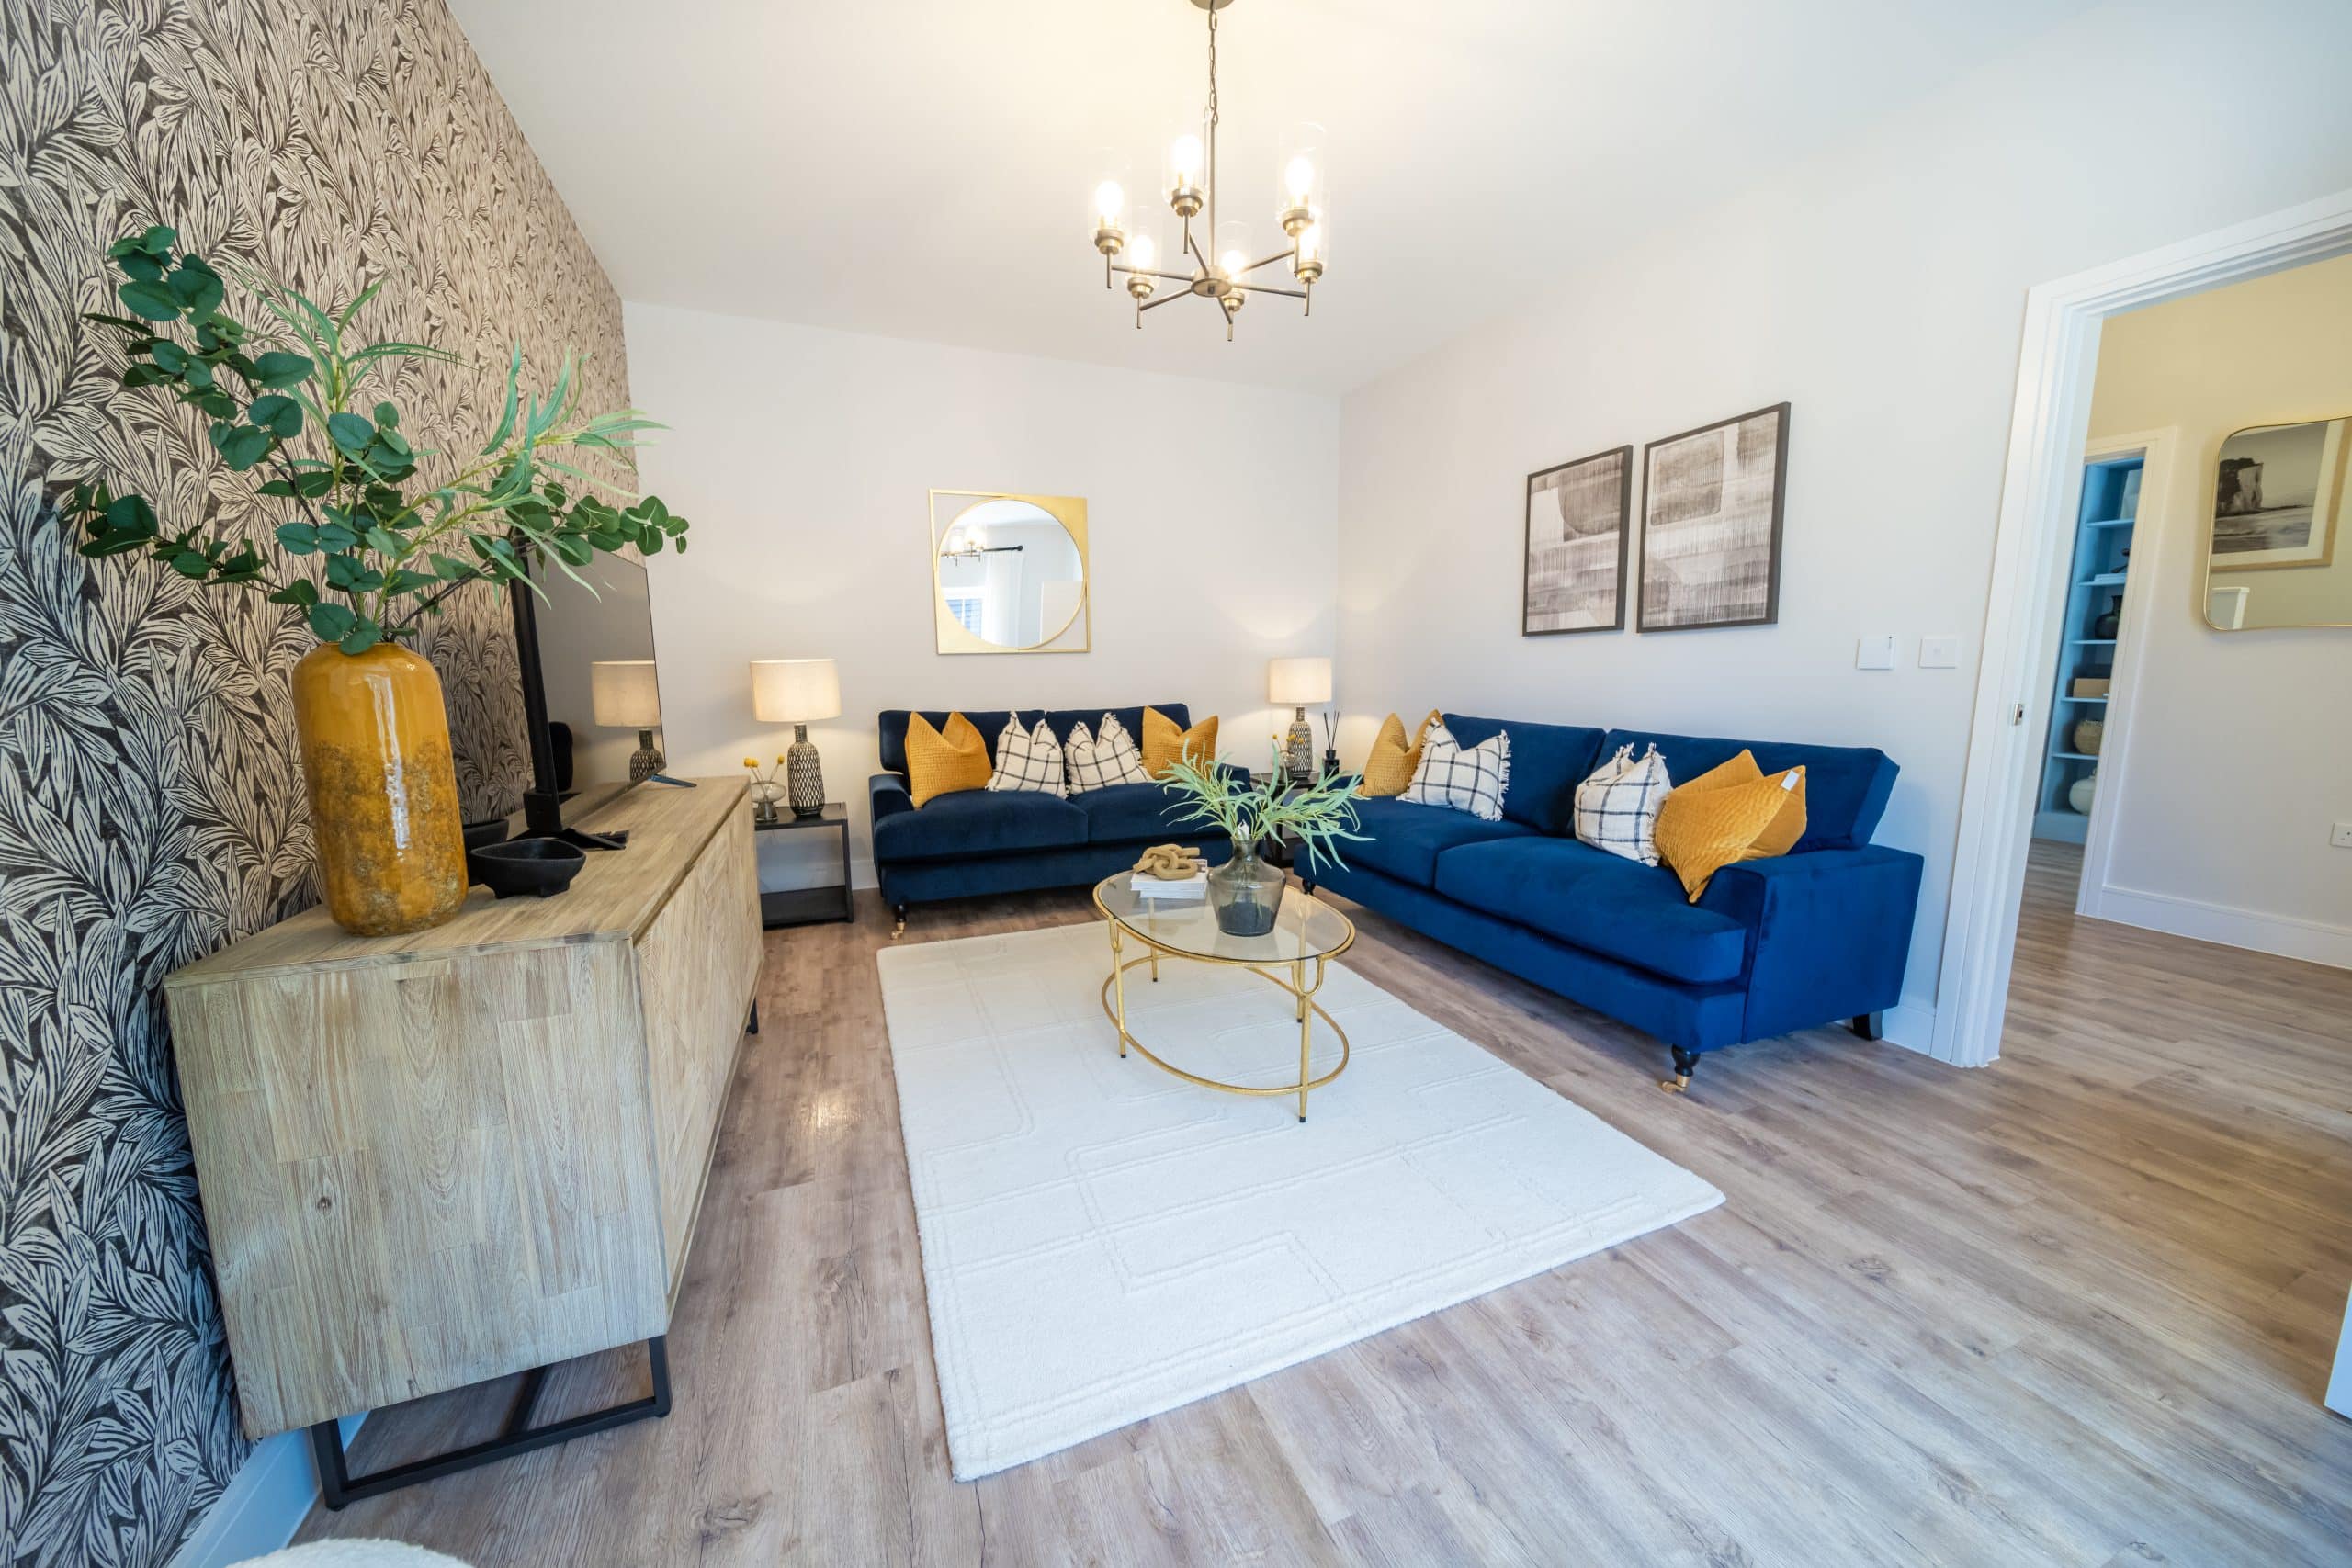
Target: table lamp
626, 696
795, 692
1293, 683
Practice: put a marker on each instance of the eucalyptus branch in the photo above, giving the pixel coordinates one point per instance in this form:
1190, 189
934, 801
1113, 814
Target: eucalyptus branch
354, 509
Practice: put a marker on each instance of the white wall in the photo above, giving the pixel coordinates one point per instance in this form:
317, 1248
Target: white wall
2257, 723
1879, 287
802, 458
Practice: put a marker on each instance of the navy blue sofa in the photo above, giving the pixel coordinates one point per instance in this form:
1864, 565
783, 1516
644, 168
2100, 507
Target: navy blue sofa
1814, 936
972, 842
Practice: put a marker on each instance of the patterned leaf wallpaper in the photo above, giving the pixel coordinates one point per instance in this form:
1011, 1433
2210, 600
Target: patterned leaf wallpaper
150, 807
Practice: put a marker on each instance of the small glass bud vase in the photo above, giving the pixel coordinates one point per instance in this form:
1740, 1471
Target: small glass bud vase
1245, 893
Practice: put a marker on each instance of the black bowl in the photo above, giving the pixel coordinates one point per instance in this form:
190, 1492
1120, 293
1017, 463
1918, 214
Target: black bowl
544, 866
489, 830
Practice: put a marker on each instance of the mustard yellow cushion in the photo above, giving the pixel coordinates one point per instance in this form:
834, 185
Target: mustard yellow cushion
1787, 828
1727, 814
1391, 765
938, 763
1164, 743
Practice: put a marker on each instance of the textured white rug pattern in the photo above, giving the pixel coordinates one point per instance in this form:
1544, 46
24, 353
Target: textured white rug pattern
1101, 1241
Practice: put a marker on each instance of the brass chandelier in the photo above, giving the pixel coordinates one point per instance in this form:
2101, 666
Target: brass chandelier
1189, 185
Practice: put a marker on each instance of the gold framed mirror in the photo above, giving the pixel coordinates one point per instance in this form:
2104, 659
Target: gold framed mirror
2275, 550
1009, 572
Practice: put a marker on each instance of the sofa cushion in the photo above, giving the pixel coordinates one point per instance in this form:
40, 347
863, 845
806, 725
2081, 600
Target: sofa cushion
892, 722
1547, 762
1404, 840
990, 722
979, 822
1061, 721
1135, 813
1845, 786
1636, 914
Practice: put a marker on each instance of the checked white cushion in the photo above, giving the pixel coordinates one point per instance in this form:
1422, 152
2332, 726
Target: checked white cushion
1107, 757
1472, 780
1617, 807
1029, 758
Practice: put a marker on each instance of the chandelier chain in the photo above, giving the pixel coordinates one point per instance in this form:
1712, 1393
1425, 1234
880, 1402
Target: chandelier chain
1213, 179
1211, 68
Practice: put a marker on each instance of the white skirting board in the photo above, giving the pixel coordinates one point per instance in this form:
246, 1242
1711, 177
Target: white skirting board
264, 1503
1911, 1025
2286, 936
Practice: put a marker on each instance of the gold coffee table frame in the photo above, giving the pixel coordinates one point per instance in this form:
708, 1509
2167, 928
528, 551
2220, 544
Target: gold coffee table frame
1303, 1006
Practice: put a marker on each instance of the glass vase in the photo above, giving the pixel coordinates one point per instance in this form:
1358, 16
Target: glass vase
1245, 893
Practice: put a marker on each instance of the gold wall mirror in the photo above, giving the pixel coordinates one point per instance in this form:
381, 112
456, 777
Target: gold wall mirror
2275, 554
1008, 573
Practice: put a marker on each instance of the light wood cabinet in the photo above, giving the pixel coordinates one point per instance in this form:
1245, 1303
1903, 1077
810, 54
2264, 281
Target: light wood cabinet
429, 1160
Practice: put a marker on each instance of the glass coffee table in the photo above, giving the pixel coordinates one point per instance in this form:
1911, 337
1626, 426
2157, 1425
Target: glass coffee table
1306, 936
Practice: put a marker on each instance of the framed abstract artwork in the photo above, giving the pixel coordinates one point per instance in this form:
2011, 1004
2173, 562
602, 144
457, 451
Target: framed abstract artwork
1577, 528
1711, 524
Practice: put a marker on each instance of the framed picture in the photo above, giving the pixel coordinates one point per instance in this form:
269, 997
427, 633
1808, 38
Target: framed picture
1711, 524
2278, 489
1575, 571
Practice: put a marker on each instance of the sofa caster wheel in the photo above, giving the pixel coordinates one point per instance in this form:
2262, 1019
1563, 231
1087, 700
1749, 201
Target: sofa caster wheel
900, 927
1685, 1064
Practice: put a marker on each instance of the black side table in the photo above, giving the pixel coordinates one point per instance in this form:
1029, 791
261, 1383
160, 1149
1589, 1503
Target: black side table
807, 905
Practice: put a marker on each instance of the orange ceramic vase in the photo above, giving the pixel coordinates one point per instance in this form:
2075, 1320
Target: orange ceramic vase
383, 790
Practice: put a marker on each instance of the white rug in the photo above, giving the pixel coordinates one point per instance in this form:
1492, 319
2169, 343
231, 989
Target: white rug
1102, 1241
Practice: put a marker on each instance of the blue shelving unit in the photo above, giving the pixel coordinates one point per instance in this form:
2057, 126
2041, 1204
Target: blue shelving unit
2101, 564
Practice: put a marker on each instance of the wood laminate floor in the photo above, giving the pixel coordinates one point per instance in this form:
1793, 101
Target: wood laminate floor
2076, 1308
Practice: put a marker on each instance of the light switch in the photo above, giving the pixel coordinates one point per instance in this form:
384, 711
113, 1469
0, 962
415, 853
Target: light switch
1874, 653
1940, 654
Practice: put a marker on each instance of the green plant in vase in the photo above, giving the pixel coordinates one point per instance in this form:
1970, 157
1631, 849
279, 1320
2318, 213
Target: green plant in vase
1245, 893
369, 549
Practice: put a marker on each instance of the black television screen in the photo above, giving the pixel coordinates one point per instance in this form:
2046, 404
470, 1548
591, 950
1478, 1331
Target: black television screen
596, 710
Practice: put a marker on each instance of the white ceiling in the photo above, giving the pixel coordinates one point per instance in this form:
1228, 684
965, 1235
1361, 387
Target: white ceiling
920, 168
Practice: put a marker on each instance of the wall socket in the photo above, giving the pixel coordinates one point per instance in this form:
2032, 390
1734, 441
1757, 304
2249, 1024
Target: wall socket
2342, 836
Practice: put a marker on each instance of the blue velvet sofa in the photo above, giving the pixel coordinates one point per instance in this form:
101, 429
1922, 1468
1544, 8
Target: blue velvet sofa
974, 841
1814, 936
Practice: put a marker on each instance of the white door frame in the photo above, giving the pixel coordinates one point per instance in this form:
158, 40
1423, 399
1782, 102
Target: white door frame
2032, 543
2149, 542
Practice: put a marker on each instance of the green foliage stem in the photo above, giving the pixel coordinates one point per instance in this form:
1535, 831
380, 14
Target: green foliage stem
1320, 814
284, 405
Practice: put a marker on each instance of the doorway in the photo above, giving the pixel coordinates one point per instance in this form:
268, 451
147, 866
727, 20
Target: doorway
2034, 551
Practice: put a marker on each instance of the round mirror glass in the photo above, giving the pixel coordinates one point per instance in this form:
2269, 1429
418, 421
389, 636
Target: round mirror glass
1009, 573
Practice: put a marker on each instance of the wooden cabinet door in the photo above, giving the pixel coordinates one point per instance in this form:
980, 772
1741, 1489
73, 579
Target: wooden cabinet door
696, 965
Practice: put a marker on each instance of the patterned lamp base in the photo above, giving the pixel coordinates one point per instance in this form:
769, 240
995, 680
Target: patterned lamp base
647, 760
804, 779
1298, 749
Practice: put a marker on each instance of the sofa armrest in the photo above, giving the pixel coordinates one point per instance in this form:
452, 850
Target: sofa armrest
887, 793
1828, 932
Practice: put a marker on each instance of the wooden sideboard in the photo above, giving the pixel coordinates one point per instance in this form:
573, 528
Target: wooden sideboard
430, 1160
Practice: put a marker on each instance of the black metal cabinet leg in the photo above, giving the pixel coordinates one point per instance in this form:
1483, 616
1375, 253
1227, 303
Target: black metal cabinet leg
1869, 1025
338, 1486
753, 1027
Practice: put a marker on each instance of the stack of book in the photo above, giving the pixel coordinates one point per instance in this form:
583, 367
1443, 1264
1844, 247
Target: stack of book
1194, 887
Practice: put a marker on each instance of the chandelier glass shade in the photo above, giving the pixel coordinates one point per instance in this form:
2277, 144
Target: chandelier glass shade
1215, 250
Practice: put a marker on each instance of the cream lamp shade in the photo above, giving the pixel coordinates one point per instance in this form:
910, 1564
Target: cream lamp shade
626, 694
794, 690
1298, 682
